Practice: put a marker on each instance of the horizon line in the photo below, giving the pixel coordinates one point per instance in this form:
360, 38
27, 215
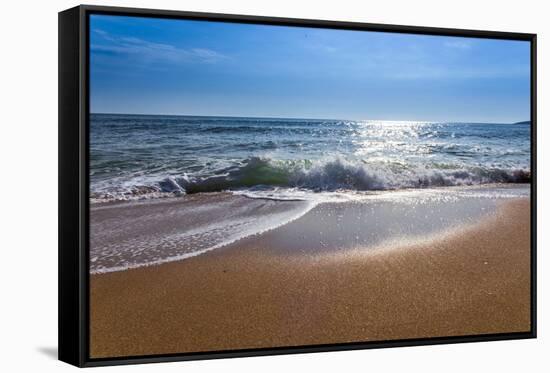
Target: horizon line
310, 118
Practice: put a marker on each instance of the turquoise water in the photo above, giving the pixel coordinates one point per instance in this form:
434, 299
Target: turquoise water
136, 156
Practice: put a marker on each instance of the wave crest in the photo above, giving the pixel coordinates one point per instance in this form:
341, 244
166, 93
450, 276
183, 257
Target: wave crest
328, 175
339, 174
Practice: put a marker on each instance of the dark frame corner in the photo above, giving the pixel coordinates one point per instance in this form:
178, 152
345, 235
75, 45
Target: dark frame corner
73, 109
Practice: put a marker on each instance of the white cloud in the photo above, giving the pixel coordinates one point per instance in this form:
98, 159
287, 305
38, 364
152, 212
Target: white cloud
458, 44
151, 51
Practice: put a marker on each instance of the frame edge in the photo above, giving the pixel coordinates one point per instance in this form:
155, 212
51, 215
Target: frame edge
70, 347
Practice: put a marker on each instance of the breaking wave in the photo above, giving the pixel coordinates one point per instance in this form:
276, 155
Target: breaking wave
321, 175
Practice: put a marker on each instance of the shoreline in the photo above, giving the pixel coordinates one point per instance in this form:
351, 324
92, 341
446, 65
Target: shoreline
251, 294
153, 232
144, 196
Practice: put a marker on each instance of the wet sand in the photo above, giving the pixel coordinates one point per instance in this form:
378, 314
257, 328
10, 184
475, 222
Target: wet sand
470, 280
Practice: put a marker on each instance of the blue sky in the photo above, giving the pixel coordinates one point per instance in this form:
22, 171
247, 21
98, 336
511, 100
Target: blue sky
162, 66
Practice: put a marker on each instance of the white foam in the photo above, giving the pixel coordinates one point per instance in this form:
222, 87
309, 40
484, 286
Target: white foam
330, 174
157, 232
158, 248
491, 191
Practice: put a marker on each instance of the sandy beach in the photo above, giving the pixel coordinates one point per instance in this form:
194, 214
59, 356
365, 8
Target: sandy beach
472, 279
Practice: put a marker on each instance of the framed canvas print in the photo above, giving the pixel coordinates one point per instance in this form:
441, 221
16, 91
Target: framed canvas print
239, 185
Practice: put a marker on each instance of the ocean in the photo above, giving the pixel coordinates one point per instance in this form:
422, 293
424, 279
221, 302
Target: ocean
195, 184
146, 156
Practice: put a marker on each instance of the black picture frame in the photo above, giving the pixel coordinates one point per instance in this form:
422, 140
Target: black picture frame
74, 183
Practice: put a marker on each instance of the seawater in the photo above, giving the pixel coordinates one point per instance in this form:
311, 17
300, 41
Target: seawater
148, 156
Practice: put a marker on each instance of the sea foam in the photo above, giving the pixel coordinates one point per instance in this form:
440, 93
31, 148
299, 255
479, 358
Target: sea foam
334, 174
